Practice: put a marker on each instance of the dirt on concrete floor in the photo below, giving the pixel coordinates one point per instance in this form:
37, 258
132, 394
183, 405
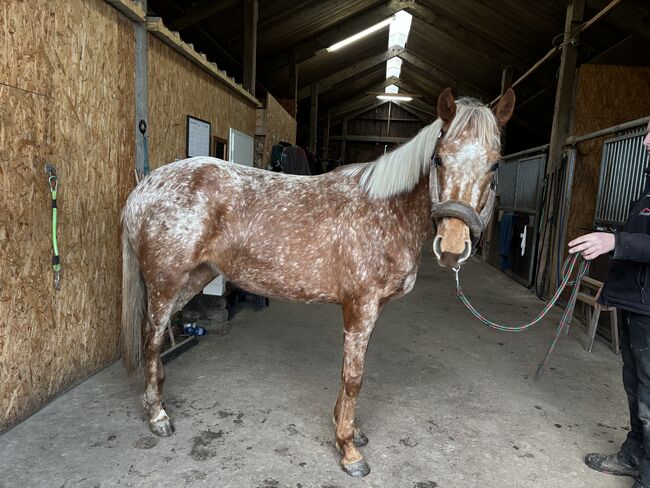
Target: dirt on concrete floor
446, 403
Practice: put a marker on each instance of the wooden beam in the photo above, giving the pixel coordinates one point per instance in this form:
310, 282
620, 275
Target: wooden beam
307, 48
506, 82
199, 12
313, 119
326, 135
329, 81
352, 113
562, 114
250, 44
487, 49
630, 18
354, 138
344, 136
136, 11
577, 30
441, 75
293, 82
421, 117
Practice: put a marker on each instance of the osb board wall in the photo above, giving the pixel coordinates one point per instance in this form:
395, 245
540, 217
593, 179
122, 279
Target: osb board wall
605, 96
68, 65
278, 125
178, 88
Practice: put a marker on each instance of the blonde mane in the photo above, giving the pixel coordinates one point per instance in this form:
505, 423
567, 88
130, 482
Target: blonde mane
400, 170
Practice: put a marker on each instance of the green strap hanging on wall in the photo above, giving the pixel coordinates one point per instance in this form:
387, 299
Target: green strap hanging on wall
53, 182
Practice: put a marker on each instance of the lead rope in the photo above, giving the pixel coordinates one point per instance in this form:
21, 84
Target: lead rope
567, 271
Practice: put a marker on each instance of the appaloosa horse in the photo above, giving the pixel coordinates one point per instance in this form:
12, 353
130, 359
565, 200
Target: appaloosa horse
352, 236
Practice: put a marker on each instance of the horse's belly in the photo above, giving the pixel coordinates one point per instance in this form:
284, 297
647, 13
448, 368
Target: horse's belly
277, 286
291, 281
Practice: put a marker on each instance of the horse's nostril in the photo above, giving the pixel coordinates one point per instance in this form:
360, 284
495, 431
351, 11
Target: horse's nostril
466, 252
436, 247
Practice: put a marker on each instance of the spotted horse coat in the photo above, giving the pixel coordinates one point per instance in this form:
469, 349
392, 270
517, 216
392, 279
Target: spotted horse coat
352, 236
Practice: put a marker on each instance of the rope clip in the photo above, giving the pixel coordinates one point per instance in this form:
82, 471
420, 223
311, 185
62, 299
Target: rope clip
456, 270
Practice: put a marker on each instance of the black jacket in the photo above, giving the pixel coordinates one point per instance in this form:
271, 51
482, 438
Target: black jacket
628, 283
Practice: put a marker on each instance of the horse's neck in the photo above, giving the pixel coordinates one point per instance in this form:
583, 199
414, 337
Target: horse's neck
415, 208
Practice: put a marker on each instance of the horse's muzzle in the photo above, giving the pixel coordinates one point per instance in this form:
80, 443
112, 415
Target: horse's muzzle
449, 259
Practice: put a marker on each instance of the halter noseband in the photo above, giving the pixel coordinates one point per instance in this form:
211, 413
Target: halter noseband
476, 222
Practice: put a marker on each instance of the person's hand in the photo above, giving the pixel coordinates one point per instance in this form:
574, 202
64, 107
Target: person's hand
593, 245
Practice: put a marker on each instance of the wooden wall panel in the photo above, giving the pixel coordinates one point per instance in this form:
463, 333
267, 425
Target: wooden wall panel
274, 125
606, 96
81, 121
178, 88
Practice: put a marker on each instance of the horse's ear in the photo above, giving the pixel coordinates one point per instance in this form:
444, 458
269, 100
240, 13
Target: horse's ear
504, 108
446, 107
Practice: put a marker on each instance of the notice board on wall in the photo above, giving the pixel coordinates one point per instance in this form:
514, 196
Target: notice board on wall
198, 137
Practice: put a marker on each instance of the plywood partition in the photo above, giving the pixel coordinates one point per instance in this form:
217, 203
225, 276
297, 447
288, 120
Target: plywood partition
274, 125
178, 88
66, 98
606, 96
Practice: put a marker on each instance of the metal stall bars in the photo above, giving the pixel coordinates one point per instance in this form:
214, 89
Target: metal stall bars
623, 160
621, 177
519, 193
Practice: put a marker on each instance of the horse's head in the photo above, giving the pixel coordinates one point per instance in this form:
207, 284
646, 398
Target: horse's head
463, 172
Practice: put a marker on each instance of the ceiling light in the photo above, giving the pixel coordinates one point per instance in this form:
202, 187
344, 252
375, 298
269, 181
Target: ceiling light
395, 98
360, 35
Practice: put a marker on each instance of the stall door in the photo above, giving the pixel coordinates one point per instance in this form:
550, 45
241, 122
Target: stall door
513, 244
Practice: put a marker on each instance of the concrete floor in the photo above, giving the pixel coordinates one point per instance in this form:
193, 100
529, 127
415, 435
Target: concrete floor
446, 403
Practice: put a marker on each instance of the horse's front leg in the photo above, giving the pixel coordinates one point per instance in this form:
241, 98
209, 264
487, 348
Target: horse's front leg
359, 322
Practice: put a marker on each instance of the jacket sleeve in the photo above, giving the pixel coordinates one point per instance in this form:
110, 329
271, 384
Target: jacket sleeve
632, 246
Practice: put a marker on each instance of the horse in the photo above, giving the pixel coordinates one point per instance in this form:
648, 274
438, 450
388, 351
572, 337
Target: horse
353, 236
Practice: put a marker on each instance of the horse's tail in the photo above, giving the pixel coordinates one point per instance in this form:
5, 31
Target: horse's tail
133, 307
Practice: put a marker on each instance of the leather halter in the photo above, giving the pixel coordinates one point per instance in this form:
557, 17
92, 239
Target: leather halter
477, 222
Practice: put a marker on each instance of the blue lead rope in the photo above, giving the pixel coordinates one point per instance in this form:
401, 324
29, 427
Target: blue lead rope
567, 271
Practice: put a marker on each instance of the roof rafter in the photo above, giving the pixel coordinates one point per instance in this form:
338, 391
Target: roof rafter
489, 50
442, 75
309, 47
328, 82
198, 13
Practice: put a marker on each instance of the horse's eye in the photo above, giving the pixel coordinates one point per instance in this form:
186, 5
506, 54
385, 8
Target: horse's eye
437, 161
494, 167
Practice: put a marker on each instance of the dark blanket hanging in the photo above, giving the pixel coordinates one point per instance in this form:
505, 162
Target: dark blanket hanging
294, 161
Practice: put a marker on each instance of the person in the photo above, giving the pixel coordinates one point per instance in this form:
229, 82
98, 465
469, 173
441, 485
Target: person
627, 287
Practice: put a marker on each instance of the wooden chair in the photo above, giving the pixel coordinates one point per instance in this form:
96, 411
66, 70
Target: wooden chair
589, 297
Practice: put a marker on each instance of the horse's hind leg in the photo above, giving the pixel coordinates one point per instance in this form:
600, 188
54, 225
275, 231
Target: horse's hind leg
154, 332
165, 297
359, 321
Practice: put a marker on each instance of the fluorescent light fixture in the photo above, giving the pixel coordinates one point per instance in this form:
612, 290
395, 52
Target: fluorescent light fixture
360, 35
395, 98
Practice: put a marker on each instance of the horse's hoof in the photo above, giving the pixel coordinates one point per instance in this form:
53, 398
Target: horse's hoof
358, 469
162, 426
360, 439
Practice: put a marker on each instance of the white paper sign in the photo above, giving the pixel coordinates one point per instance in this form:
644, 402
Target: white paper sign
198, 137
